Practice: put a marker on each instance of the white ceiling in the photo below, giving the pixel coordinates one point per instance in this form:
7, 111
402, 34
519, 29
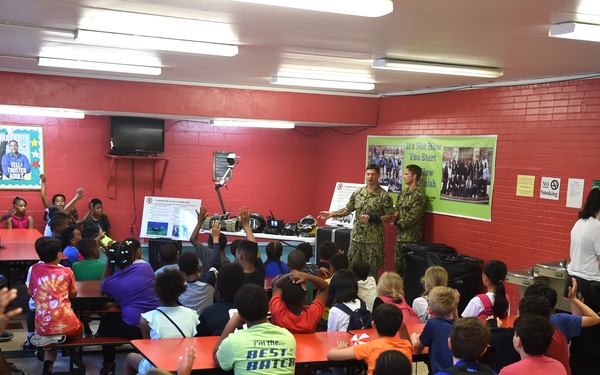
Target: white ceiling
509, 34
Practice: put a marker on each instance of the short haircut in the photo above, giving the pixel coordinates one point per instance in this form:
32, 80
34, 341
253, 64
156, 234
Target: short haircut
343, 288
95, 201
229, 280
252, 302
56, 196
57, 220
307, 249
67, 235
222, 241
361, 269
188, 263
47, 249
469, 338
327, 249
391, 285
388, 319
415, 169
169, 285
392, 362
89, 232
442, 301
86, 247
293, 294
234, 245
339, 262
535, 305
168, 254
374, 167
296, 260
250, 250
535, 333
544, 291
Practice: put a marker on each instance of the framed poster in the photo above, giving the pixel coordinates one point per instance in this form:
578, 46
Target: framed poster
21, 157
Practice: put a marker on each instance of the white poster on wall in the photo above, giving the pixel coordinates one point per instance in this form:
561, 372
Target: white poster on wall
550, 188
165, 217
575, 192
341, 196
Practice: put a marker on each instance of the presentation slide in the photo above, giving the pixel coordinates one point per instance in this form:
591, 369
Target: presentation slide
165, 217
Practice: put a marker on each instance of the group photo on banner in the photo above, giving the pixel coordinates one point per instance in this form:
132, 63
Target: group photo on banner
458, 172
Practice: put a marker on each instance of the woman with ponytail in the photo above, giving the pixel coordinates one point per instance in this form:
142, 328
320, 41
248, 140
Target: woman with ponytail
494, 302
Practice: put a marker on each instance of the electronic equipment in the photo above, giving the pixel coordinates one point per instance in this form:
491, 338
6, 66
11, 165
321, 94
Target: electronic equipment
274, 226
136, 136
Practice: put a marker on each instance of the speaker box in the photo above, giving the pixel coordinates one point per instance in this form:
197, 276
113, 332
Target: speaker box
338, 235
153, 250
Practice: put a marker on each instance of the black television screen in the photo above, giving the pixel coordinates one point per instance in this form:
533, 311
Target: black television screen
136, 135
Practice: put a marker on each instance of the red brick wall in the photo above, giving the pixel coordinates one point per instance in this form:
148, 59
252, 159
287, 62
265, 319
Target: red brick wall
543, 130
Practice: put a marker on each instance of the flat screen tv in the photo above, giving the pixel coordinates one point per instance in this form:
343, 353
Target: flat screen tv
136, 136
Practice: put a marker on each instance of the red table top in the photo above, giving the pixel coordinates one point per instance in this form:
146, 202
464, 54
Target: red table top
89, 289
19, 244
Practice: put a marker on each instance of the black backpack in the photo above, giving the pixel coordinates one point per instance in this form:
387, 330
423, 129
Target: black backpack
360, 318
462, 370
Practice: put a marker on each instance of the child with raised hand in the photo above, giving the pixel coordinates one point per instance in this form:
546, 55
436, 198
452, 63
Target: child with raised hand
387, 320
494, 302
166, 321
434, 276
20, 219
59, 203
287, 304
390, 289
443, 305
468, 341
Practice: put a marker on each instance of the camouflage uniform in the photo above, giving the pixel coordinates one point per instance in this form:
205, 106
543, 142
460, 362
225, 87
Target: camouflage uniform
368, 238
410, 207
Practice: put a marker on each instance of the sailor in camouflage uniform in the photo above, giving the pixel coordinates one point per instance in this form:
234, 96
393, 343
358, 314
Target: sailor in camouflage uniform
408, 215
373, 207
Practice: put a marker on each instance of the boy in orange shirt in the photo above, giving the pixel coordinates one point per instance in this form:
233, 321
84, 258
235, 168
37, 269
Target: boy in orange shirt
387, 319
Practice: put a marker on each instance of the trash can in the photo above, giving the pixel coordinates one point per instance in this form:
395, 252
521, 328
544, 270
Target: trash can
524, 278
556, 272
417, 262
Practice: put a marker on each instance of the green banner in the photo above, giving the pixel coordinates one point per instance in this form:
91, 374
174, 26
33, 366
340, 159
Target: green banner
458, 172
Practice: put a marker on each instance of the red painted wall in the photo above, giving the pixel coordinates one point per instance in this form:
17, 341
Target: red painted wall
543, 130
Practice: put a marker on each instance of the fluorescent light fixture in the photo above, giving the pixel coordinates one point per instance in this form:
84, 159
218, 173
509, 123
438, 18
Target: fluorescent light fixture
364, 8
246, 123
437, 68
575, 30
321, 83
153, 43
41, 111
96, 65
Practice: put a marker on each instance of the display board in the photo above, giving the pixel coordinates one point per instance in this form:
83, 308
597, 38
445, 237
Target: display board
220, 166
173, 218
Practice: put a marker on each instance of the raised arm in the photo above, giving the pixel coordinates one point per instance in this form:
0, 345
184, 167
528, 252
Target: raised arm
201, 217
43, 191
78, 196
245, 221
588, 316
319, 283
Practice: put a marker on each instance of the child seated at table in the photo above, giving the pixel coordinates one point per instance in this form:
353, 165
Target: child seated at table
392, 362
533, 335
20, 219
434, 276
69, 238
214, 318
98, 219
327, 249
273, 265
443, 305
91, 267
494, 302
51, 285
390, 289
287, 304
166, 321
343, 297
367, 286
469, 339
168, 255
200, 289
387, 320
296, 262
261, 346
